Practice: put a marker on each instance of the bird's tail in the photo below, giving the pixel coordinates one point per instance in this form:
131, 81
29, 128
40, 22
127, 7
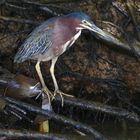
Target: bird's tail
19, 58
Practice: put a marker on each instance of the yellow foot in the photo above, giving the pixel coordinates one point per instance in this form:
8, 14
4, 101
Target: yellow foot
61, 95
49, 94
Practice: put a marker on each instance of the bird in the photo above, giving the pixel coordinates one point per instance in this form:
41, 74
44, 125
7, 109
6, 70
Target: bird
50, 40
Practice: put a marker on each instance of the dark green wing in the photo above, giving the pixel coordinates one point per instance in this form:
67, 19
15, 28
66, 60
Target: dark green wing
37, 42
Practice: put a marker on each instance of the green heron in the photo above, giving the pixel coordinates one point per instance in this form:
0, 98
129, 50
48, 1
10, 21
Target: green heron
51, 39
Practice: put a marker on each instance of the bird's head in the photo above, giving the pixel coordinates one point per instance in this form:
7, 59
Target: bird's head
85, 22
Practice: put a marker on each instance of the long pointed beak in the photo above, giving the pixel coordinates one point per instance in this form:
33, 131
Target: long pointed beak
107, 38
97, 30
102, 34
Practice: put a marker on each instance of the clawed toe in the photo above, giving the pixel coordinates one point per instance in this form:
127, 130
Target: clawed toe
49, 94
52, 96
61, 95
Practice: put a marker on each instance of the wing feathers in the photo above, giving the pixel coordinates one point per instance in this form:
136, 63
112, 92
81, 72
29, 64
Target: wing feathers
37, 43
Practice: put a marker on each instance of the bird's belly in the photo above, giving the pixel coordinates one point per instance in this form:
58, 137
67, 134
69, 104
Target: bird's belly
53, 52
49, 55
62, 48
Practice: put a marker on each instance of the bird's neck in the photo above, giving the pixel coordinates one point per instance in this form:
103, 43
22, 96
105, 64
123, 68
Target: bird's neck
72, 23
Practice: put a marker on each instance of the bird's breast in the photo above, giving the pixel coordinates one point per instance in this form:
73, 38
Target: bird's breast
70, 42
75, 37
64, 40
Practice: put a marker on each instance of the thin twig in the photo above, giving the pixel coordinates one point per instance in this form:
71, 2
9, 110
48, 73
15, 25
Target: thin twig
15, 6
119, 9
132, 15
9, 19
53, 2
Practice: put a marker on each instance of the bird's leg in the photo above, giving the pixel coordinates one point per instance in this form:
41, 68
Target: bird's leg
45, 89
55, 82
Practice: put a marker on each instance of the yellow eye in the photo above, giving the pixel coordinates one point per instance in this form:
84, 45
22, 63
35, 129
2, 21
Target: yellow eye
84, 21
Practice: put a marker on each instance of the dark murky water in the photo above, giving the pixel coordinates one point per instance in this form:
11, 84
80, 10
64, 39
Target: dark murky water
121, 130
112, 130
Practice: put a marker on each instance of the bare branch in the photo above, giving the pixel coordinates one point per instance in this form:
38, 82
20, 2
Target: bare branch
94, 106
35, 135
